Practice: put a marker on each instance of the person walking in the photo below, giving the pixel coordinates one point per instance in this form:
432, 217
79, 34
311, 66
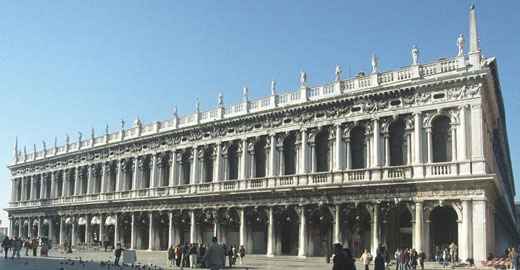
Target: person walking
422, 258
34, 247
397, 257
171, 255
193, 255
215, 256
339, 261
17, 246
366, 257
117, 253
413, 259
6, 245
178, 255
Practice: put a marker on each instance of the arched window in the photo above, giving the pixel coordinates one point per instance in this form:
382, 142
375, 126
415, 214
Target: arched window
397, 143
441, 139
186, 166
322, 150
84, 182
233, 161
208, 164
289, 154
260, 157
358, 147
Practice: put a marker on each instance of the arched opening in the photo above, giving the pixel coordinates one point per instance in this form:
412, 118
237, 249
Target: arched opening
47, 187
125, 230
206, 222
444, 227
59, 185
97, 179
129, 173
38, 185
398, 228
397, 143
161, 231
83, 180
19, 189
229, 226
256, 220
186, 166
441, 139
358, 147
320, 232
208, 164
357, 230
112, 177
233, 161
142, 227
289, 154
144, 170
322, 150
260, 157
288, 229
110, 226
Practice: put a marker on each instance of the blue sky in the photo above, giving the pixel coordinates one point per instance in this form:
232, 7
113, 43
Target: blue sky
69, 66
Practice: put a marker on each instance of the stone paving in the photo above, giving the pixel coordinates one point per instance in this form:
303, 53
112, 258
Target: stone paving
156, 260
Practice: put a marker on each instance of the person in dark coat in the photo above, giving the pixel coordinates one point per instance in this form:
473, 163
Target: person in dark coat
6, 245
117, 253
379, 262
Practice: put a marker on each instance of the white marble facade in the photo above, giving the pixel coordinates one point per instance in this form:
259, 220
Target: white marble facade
416, 157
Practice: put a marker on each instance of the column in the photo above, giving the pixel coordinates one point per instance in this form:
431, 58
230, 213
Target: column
29, 228
116, 230
20, 224
118, 175
272, 155
453, 129
135, 184
462, 135
337, 230
194, 166
33, 187
154, 179
22, 193
217, 163
43, 184
242, 229
53, 185
101, 228
281, 163
252, 165
340, 153
477, 143
132, 232
302, 241
86, 230
193, 235
466, 235
243, 161
419, 243
151, 232
375, 228
303, 153
105, 169
62, 231
429, 144
426, 236
270, 232
479, 230
77, 184
312, 146
387, 149
73, 233
173, 169
170, 229
50, 232
40, 221
90, 179
377, 138
417, 138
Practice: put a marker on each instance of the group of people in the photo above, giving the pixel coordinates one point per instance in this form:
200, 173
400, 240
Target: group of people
16, 244
194, 255
409, 259
513, 259
446, 254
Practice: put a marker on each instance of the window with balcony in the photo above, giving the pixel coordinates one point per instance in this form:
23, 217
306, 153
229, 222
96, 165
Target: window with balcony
260, 157
358, 147
441, 139
322, 150
398, 145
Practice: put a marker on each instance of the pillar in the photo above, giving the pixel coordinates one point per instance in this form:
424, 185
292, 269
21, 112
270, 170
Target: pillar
339, 152
272, 155
101, 228
303, 153
466, 234
217, 163
375, 228
419, 243
242, 229
73, 234
302, 240
62, 231
377, 138
135, 185
417, 138
173, 169
118, 175
195, 166
429, 145
40, 221
387, 149
479, 230
154, 179
116, 230
454, 145
270, 232
86, 230
104, 175
242, 174
50, 232
151, 231
426, 236
337, 229
170, 229
314, 163
132, 232
90, 179
43, 184
193, 233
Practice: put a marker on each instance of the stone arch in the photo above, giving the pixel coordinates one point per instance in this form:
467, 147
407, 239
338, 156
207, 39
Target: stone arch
444, 226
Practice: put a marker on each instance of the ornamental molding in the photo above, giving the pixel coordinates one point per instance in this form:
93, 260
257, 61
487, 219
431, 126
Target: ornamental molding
340, 108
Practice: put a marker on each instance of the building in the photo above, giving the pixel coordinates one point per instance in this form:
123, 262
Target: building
416, 157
